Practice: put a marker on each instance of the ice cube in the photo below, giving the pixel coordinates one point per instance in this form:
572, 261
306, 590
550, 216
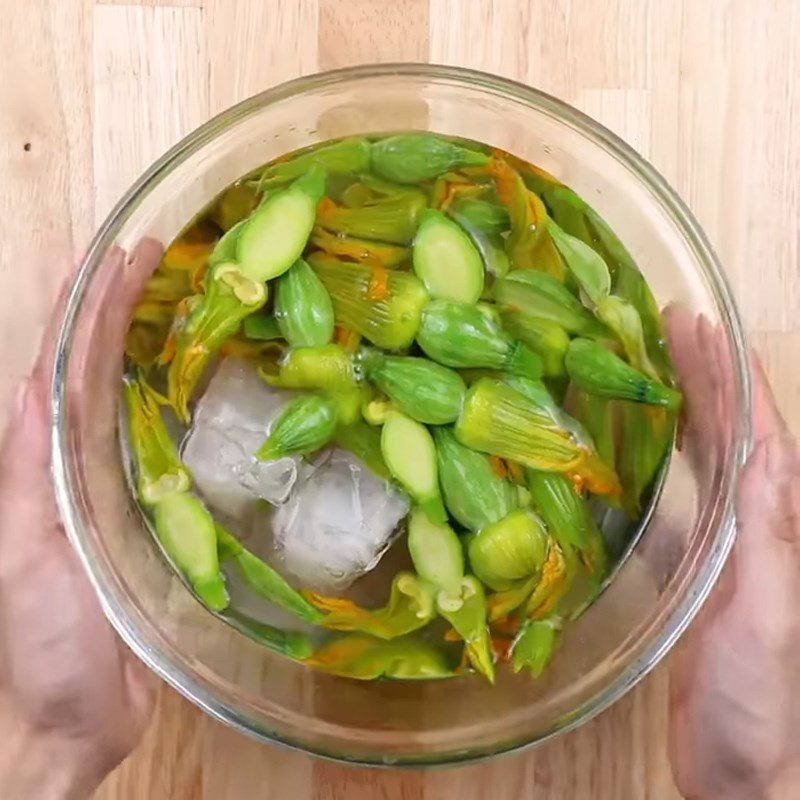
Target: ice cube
337, 523
231, 421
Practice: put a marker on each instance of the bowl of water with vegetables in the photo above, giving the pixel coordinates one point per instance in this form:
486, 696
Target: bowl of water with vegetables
386, 468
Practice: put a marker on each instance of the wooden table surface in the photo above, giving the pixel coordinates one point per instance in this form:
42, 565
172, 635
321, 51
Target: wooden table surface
709, 91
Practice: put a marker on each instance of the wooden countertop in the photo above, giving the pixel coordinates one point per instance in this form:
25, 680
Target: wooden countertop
709, 91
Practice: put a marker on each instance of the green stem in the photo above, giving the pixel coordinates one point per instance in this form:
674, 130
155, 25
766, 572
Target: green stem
263, 579
469, 622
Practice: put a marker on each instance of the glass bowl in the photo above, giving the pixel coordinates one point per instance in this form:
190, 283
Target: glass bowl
613, 645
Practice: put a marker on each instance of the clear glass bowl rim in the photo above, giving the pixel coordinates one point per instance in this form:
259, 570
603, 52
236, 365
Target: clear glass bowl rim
106, 235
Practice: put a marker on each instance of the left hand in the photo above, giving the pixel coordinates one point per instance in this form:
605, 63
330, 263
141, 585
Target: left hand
74, 700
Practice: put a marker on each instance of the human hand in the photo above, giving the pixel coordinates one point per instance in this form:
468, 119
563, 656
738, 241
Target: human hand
73, 699
735, 717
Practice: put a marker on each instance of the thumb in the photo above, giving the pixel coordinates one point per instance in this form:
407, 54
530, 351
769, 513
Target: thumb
768, 498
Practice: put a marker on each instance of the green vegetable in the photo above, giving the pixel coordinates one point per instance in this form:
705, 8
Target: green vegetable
502, 604
348, 404
165, 295
484, 223
437, 556
452, 186
569, 211
542, 378
339, 158
410, 455
597, 370
557, 575
509, 550
499, 420
597, 416
459, 335
186, 531
236, 204
489, 218
546, 338
529, 245
303, 307
446, 260
543, 591
410, 607
624, 320
275, 235
364, 250
160, 470
225, 248
415, 157
376, 411
392, 220
262, 327
366, 658
326, 368
647, 435
388, 317
630, 285
474, 494
364, 442
183, 526
542, 296
369, 190
585, 264
568, 518
291, 644
306, 425
212, 319
534, 645
423, 390
263, 579
469, 622
553, 416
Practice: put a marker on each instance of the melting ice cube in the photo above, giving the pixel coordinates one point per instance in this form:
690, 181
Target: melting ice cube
230, 423
337, 523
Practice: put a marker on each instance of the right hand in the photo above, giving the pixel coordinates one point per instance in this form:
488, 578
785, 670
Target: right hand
735, 713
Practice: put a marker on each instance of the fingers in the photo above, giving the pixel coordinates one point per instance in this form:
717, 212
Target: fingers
125, 289
109, 301
25, 449
694, 351
43, 367
138, 268
716, 351
684, 347
768, 499
143, 261
27, 506
26, 443
767, 420
704, 377
701, 354
120, 282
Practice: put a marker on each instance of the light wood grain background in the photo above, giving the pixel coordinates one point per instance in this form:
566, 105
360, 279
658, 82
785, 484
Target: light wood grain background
708, 90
